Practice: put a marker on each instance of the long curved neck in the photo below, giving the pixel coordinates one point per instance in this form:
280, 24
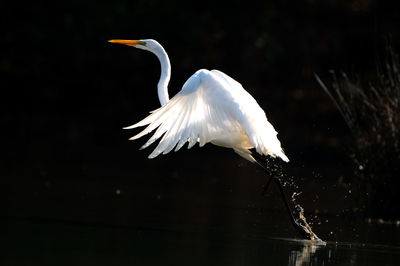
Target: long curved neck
165, 74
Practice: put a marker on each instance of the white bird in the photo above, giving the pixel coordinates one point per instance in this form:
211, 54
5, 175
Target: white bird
211, 107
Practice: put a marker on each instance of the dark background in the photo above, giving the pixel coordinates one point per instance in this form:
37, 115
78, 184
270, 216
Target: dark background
67, 93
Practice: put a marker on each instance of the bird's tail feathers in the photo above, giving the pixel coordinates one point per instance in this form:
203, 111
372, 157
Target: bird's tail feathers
245, 153
283, 156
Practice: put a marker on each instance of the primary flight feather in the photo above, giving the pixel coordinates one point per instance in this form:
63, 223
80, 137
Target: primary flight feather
211, 107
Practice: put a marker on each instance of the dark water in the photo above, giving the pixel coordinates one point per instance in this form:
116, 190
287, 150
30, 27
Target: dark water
41, 243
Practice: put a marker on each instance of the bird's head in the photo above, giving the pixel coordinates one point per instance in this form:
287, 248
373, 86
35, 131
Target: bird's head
146, 44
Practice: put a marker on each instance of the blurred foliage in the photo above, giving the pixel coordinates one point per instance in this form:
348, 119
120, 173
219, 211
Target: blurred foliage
372, 113
59, 71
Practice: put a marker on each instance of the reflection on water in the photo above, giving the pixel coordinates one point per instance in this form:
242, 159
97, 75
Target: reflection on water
304, 256
28, 243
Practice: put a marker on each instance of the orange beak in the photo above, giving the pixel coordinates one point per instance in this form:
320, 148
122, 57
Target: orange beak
128, 42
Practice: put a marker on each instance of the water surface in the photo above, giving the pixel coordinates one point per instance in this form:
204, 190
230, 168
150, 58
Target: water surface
59, 243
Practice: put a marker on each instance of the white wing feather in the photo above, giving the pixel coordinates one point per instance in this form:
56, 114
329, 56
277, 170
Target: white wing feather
211, 107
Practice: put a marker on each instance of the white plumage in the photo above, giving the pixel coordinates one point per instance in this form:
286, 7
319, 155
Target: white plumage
211, 107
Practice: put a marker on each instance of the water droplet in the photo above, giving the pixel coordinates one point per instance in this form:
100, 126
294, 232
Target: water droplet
117, 191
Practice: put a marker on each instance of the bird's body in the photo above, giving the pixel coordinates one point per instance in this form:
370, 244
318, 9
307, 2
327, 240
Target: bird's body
211, 107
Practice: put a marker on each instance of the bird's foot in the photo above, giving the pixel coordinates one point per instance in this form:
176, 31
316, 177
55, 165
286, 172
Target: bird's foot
303, 228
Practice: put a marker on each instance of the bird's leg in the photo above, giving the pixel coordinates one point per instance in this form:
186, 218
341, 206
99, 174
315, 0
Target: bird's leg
270, 173
301, 229
266, 185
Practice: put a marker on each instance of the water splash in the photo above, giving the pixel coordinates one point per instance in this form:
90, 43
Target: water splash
303, 221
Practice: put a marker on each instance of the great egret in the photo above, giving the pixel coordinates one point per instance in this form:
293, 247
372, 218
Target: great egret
211, 107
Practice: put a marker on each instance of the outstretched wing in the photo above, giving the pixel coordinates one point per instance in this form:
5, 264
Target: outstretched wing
211, 107
197, 113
